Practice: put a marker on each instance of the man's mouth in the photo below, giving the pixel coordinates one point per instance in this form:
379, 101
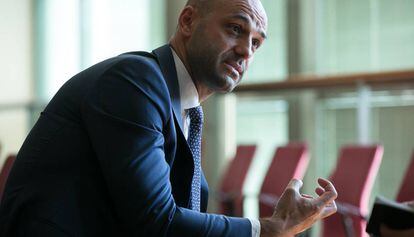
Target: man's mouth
236, 67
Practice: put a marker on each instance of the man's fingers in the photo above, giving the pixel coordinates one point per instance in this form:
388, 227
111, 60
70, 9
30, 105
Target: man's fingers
319, 191
325, 199
329, 209
329, 194
307, 196
410, 204
328, 187
295, 184
388, 232
326, 184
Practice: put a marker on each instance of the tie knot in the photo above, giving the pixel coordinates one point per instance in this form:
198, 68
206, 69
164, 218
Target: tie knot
196, 115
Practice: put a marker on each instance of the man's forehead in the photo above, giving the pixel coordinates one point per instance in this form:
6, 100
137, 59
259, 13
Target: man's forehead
251, 10
248, 20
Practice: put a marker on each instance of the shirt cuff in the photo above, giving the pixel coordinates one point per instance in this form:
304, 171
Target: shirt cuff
255, 227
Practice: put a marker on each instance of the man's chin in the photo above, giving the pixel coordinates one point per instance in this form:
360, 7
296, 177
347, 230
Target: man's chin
229, 85
223, 84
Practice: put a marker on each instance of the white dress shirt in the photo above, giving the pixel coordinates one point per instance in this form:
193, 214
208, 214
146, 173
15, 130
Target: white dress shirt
189, 99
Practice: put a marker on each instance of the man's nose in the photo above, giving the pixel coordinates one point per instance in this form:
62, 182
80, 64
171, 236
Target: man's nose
244, 48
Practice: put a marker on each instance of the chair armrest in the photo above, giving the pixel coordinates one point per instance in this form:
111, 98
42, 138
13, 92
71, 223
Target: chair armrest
347, 209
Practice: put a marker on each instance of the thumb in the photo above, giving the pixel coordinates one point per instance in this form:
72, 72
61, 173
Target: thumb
295, 184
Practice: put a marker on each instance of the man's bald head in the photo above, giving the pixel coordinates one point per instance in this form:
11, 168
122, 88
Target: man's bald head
216, 40
204, 6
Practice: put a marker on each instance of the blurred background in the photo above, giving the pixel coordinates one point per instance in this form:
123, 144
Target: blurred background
331, 73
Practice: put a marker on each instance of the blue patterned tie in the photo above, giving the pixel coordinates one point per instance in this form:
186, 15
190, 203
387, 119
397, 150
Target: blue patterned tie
194, 141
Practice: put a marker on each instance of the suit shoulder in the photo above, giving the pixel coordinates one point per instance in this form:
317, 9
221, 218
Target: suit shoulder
139, 60
143, 72
137, 73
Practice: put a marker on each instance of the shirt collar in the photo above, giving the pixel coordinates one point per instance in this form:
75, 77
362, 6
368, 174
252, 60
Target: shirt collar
188, 91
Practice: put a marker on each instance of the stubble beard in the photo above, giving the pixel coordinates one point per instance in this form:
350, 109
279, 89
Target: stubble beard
206, 64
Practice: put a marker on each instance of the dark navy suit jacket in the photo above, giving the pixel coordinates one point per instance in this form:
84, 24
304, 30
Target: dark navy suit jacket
107, 157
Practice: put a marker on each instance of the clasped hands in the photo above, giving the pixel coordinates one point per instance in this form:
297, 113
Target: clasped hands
296, 212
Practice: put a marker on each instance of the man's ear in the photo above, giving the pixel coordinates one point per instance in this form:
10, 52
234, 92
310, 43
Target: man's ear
187, 20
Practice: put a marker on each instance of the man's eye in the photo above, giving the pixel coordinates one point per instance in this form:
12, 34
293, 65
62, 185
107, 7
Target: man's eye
236, 29
256, 43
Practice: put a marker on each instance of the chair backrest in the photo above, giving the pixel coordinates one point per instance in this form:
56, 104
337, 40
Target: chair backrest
406, 191
353, 177
230, 195
4, 173
288, 162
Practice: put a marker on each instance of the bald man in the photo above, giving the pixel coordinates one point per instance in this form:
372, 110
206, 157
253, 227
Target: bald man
117, 150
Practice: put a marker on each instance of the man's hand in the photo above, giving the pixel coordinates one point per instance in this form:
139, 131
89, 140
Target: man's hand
296, 212
388, 232
410, 204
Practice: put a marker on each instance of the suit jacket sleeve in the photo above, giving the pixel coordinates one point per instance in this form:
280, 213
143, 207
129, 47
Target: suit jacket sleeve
125, 113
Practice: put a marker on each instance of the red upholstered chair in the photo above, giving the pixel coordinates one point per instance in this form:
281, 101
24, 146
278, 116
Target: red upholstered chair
353, 178
5, 173
406, 191
230, 195
288, 162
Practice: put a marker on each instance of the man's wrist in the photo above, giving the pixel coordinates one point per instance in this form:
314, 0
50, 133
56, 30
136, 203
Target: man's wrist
270, 228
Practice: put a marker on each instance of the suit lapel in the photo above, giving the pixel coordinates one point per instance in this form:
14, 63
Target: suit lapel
181, 192
166, 62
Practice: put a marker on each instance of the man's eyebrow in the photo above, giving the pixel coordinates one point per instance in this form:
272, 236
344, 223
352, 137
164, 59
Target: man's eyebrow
247, 21
263, 34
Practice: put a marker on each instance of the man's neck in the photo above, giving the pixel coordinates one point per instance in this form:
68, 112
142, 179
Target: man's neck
203, 91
